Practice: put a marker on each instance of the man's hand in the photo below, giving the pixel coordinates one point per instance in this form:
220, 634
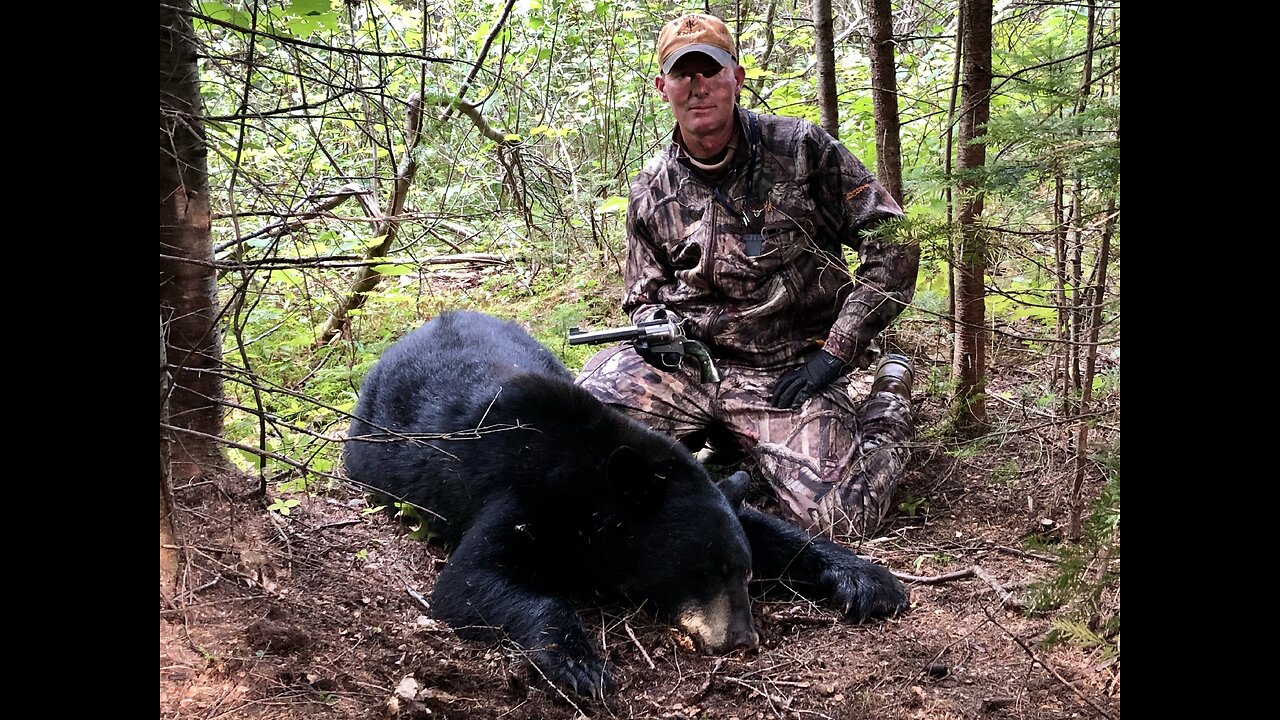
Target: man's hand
808, 380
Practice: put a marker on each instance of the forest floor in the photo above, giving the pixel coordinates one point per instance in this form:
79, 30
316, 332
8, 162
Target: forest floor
322, 613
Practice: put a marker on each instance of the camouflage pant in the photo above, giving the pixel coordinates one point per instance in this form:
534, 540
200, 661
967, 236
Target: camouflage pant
833, 463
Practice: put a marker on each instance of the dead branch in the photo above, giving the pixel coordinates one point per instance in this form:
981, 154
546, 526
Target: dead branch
634, 639
388, 229
935, 579
483, 125
342, 261
322, 203
480, 58
422, 600
702, 690
1044, 664
1007, 600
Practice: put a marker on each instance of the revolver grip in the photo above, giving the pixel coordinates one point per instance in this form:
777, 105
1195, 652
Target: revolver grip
710, 373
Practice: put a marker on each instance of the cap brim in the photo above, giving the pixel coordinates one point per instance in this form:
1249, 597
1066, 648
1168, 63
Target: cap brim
715, 53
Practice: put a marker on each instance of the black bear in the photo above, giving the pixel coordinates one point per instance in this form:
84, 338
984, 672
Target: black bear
547, 496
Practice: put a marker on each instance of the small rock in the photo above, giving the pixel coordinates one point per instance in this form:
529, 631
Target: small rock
408, 688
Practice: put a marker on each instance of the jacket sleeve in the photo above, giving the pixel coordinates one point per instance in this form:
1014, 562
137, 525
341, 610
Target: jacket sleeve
646, 271
885, 279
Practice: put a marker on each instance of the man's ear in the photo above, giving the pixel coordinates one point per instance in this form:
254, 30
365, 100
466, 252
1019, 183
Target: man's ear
740, 74
660, 82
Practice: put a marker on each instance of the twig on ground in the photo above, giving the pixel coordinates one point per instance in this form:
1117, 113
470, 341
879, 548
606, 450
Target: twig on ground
555, 688
1007, 600
711, 678
338, 524
805, 620
1022, 553
935, 579
176, 603
775, 701
422, 600
631, 634
1044, 664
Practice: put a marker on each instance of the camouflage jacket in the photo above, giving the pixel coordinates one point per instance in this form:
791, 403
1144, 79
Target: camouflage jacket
762, 279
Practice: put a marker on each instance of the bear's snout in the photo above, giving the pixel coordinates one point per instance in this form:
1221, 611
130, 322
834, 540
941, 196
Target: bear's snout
722, 625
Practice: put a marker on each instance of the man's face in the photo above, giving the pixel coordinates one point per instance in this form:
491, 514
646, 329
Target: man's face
702, 93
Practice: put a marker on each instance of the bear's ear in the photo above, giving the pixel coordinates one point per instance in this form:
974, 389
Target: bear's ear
633, 477
734, 488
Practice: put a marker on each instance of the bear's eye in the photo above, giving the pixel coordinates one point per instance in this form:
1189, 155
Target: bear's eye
727, 570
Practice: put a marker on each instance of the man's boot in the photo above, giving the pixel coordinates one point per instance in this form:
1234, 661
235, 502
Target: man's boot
893, 374
860, 503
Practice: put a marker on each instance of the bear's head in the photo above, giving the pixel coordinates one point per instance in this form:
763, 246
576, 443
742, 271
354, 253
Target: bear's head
676, 546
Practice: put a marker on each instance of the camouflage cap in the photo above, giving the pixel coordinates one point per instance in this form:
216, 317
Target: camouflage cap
695, 33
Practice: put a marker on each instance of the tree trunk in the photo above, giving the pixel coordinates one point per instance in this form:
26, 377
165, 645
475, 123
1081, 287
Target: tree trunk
188, 290
170, 561
970, 357
947, 162
884, 96
1087, 321
825, 57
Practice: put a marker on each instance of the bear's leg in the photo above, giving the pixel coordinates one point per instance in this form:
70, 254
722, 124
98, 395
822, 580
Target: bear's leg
820, 570
480, 598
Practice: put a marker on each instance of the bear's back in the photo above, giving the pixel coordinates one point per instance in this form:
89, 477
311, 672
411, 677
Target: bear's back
474, 385
441, 377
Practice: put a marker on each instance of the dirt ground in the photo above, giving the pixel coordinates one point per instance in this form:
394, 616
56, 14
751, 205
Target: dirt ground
323, 613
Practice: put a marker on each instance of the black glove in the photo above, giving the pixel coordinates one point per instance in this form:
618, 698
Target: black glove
804, 382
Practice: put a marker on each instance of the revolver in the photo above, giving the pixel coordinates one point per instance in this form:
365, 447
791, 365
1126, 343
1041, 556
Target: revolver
663, 337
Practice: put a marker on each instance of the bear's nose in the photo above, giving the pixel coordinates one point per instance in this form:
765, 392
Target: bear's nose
748, 640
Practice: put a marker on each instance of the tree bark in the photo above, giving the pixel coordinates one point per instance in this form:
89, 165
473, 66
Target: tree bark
188, 290
884, 96
1088, 323
170, 560
970, 356
825, 57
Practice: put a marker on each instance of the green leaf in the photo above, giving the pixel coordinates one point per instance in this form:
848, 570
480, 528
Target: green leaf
219, 11
395, 269
309, 7
611, 205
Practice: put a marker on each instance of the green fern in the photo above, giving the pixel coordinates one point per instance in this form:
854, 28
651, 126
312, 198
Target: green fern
1086, 572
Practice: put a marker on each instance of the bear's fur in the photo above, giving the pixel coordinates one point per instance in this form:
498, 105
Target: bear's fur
546, 495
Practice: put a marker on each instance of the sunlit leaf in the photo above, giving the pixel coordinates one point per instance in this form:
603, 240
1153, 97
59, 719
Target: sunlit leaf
614, 204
